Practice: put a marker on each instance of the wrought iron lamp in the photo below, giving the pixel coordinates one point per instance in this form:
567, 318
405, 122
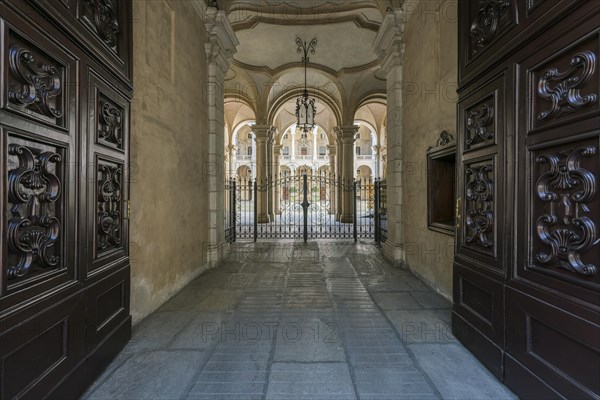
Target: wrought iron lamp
305, 106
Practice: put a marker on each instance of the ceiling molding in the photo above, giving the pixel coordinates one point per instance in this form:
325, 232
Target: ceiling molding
282, 68
252, 21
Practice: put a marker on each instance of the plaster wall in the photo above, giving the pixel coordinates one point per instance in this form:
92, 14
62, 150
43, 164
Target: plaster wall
169, 204
430, 77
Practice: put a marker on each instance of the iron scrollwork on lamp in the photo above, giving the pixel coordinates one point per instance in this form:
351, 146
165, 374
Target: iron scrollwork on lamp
305, 106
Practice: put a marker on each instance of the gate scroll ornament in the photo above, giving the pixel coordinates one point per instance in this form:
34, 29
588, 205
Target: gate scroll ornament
566, 229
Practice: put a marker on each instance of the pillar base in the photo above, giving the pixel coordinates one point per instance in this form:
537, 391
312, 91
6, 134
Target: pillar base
393, 253
215, 252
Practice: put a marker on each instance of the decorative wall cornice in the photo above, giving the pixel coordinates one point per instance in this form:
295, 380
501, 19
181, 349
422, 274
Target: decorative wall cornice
222, 41
389, 42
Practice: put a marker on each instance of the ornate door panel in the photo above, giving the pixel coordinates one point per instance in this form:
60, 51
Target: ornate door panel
479, 273
64, 134
554, 291
104, 25
539, 266
491, 25
493, 29
38, 133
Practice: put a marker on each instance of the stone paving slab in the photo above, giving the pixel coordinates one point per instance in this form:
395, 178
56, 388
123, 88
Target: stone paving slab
154, 375
160, 330
457, 374
396, 301
309, 340
423, 326
316, 381
431, 300
377, 383
326, 321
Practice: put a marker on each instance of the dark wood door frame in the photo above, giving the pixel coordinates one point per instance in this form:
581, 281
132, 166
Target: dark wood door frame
64, 138
526, 279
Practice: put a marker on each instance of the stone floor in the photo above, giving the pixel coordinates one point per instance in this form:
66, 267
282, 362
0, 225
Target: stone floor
321, 320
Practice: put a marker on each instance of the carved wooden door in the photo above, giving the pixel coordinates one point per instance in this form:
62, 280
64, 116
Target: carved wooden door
526, 279
65, 90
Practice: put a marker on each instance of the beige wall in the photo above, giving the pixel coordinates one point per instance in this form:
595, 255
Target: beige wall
169, 206
430, 77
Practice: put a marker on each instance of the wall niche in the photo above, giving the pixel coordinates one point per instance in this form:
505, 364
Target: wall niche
441, 184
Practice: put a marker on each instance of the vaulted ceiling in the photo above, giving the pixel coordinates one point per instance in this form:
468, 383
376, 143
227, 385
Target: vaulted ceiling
267, 72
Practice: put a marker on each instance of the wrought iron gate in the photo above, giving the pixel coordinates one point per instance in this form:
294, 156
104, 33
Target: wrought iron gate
300, 207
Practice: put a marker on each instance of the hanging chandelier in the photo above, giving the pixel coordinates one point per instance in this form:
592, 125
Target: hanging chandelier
305, 106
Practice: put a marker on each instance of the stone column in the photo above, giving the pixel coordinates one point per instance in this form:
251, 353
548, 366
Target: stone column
231, 161
389, 46
338, 175
332, 174
276, 176
270, 175
376, 149
261, 133
346, 135
220, 47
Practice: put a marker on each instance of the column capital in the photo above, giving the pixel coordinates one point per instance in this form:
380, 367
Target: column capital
346, 132
261, 132
376, 148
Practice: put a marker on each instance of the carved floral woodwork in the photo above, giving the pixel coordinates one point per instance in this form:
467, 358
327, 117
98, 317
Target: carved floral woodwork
35, 86
445, 139
110, 123
109, 206
104, 19
563, 89
479, 216
33, 227
565, 227
485, 27
480, 124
